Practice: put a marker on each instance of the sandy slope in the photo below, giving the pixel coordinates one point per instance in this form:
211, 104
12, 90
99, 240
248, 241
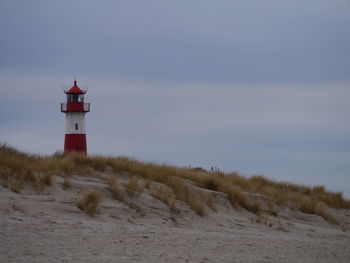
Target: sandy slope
48, 227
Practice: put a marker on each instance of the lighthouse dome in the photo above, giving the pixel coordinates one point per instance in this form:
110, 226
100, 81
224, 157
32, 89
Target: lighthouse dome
75, 89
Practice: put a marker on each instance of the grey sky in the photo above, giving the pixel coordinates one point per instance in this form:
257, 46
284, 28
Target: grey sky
253, 86
180, 40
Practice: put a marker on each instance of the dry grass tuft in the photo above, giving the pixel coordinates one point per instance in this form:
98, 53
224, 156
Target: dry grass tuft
29, 176
66, 183
210, 181
335, 200
166, 195
46, 179
6, 148
114, 188
313, 206
321, 210
222, 183
133, 187
98, 163
66, 165
319, 189
89, 202
18, 181
194, 198
238, 199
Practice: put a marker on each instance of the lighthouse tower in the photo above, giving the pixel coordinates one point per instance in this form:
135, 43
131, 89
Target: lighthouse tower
75, 109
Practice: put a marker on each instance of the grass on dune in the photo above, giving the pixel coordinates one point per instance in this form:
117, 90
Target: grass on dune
89, 201
115, 189
18, 169
166, 195
133, 186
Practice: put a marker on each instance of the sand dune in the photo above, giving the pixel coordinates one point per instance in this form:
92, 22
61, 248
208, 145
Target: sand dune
47, 226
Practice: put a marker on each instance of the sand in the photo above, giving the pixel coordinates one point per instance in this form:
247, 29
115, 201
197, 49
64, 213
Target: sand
48, 227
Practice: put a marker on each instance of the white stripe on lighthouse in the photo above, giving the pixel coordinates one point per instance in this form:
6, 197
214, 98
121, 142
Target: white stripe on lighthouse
75, 122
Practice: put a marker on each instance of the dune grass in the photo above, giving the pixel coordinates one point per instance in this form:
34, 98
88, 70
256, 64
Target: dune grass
115, 189
89, 201
66, 183
133, 187
192, 186
166, 195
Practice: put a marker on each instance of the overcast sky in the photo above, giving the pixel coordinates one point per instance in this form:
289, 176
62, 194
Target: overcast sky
259, 87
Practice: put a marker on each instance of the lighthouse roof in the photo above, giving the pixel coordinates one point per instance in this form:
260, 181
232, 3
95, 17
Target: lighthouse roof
75, 89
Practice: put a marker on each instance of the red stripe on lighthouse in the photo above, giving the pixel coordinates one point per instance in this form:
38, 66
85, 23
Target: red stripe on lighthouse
75, 143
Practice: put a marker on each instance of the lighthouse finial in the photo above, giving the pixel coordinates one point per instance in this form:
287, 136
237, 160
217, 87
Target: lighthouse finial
75, 79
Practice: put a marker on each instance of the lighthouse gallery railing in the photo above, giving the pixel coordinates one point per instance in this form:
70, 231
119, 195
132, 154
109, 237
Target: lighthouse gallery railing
75, 107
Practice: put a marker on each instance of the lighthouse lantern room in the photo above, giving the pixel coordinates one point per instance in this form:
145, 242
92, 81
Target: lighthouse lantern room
75, 110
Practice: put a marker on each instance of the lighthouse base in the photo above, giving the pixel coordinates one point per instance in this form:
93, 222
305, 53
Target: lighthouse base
75, 143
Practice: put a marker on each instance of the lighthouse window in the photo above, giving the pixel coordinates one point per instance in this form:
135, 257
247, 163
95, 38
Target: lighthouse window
76, 126
75, 97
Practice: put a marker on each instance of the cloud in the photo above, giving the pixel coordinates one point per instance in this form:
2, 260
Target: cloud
223, 41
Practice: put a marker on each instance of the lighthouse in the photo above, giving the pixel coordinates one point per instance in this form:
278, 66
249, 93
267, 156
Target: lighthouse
75, 110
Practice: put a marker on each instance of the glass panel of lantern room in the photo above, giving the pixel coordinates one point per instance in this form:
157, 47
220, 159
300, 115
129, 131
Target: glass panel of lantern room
75, 97
69, 98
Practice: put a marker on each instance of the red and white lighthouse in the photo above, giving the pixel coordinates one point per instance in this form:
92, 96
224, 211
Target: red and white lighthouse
75, 110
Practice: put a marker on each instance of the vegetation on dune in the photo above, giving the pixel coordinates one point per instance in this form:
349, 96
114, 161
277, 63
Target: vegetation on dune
166, 195
66, 183
169, 184
89, 201
114, 188
133, 186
